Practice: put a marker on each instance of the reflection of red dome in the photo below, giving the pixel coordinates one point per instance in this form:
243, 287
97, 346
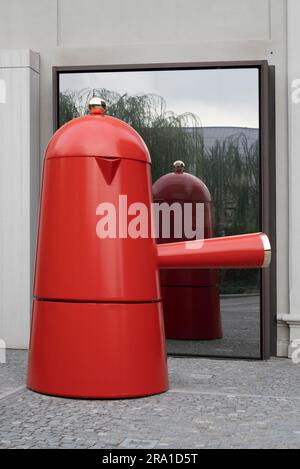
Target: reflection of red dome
182, 187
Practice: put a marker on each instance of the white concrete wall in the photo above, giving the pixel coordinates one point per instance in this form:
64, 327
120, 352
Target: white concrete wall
96, 32
19, 190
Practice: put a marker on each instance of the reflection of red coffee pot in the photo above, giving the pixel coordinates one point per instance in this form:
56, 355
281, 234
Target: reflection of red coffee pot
191, 300
97, 325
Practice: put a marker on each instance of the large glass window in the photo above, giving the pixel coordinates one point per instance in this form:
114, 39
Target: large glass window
210, 119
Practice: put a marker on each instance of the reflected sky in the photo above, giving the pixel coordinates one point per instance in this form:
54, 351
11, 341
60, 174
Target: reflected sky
221, 98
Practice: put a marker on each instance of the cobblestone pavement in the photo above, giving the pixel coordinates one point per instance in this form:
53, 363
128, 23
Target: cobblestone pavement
211, 404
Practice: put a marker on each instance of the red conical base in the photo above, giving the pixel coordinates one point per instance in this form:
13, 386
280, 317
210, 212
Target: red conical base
97, 350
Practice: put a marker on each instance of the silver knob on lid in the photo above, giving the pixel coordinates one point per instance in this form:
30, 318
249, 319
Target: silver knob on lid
97, 105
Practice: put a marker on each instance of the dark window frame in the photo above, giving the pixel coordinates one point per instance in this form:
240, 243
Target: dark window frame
268, 308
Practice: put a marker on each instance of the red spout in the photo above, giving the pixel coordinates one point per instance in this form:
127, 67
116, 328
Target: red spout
244, 251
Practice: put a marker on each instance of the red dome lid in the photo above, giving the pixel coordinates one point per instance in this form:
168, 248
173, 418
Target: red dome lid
98, 135
182, 187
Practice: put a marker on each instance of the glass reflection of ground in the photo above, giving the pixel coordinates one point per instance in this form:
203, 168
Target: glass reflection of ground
241, 331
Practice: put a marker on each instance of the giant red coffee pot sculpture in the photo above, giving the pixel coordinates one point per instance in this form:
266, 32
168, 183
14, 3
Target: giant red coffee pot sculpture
97, 323
191, 300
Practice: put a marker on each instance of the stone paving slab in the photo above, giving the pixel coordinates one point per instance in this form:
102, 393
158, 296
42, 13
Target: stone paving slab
12, 372
211, 404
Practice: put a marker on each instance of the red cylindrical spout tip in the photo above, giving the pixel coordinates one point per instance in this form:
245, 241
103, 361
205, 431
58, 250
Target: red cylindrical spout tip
243, 251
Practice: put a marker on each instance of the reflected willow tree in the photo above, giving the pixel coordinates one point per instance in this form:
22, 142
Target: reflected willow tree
230, 168
231, 171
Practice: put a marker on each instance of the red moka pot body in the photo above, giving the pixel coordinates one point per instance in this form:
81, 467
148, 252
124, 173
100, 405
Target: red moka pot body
190, 296
97, 324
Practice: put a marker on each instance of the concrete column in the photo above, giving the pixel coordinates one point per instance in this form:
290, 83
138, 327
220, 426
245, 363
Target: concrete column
19, 190
293, 43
